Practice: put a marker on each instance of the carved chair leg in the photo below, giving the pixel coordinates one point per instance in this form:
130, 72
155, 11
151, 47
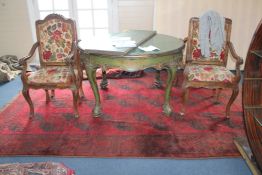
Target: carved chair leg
217, 93
104, 82
26, 95
81, 77
81, 92
158, 83
235, 92
185, 93
47, 97
75, 101
52, 93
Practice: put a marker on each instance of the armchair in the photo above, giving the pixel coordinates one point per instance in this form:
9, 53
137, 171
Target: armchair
210, 72
59, 60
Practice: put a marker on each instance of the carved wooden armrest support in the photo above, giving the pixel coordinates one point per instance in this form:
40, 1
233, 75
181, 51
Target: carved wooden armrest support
234, 54
22, 61
238, 59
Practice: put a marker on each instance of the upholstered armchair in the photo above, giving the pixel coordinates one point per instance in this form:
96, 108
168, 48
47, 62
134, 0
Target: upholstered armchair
210, 72
59, 60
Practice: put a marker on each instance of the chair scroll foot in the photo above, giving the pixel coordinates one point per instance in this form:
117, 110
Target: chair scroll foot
81, 93
52, 93
75, 102
47, 97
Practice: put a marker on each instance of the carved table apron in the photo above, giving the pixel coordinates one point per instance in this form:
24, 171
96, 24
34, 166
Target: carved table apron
133, 59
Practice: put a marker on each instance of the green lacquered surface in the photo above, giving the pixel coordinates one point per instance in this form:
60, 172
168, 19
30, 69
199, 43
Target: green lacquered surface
165, 43
133, 59
134, 63
104, 45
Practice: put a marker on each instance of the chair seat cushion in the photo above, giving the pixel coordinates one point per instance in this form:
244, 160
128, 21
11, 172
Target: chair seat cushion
51, 75
208, 73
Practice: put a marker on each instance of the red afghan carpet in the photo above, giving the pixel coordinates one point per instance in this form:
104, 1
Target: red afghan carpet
132, 124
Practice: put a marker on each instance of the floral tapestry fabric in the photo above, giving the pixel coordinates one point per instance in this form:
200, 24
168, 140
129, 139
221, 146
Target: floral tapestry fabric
208, 73
38, 168
196, 51
51, 74
56, 39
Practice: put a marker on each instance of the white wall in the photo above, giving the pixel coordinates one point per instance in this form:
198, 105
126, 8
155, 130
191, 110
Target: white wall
172, 17
15, 31
135, 14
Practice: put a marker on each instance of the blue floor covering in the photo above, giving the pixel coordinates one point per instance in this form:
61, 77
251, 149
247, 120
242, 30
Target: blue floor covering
129, 166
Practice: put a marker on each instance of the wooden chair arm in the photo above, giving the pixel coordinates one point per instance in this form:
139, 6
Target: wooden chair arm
238, 59
22, 61
234, 54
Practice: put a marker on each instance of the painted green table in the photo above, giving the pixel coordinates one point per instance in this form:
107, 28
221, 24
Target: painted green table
103, 54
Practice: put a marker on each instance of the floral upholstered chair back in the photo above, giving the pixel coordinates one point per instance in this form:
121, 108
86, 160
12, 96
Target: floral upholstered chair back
193, 52
56, 36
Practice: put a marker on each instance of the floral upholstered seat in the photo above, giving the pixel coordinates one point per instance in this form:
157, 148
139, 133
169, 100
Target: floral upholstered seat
209, 72
59, 60
51, 75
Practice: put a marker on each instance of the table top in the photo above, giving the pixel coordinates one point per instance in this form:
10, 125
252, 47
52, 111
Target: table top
103, 46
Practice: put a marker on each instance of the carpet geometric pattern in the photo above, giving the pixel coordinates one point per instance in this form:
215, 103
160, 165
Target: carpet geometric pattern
132, 123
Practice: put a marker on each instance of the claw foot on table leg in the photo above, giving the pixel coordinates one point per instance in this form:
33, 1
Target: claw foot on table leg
97, 111
167, 109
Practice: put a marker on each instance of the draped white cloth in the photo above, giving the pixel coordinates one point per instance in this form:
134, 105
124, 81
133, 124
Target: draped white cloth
211, 32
